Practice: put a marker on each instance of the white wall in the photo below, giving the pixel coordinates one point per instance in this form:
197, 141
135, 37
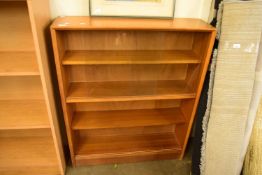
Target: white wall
193, 9
184, 8
69, 8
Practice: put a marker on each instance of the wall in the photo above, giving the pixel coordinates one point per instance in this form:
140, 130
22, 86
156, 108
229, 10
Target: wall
193, 9
183, 9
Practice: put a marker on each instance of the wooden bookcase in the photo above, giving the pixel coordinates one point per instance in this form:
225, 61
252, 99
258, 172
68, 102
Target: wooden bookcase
129, 87
30, 141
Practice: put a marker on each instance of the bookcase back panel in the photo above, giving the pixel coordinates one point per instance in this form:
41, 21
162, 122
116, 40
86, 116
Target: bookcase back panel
101, 73
128, 40
125, 131
15, 30
128, 105
20, 88
27, 148
26, 133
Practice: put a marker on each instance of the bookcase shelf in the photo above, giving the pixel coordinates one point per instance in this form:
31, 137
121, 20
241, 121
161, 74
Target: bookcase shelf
129, 87
30, 140
105, 149
127, 91
98, 57
121, 119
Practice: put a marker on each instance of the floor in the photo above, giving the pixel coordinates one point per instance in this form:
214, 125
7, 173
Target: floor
166, 167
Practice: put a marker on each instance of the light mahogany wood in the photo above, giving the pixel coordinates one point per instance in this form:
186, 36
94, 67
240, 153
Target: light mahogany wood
126, 148
63, 87
20, 88
30, 140
126, 40
15, 30
127, 72
28, 114
101, 23
18, 64
204, 49
115, 73
39, 13
128, 91
127, 105
13, 0
43, 170
121, 119
129, 57
127, 131
19, 152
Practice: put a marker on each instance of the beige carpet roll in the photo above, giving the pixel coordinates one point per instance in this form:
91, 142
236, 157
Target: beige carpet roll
233, 86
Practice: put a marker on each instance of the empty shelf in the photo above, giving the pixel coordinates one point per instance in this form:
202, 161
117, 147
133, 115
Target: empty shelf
20, 152
127, 118
18, 64
127, 148
23, 114
130, 57
128, 91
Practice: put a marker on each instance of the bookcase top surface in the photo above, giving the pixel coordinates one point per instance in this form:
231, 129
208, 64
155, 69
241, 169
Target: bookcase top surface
110, 23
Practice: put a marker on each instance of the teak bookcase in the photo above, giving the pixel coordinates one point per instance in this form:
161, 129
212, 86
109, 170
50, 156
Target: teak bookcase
30, 140
129, 87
